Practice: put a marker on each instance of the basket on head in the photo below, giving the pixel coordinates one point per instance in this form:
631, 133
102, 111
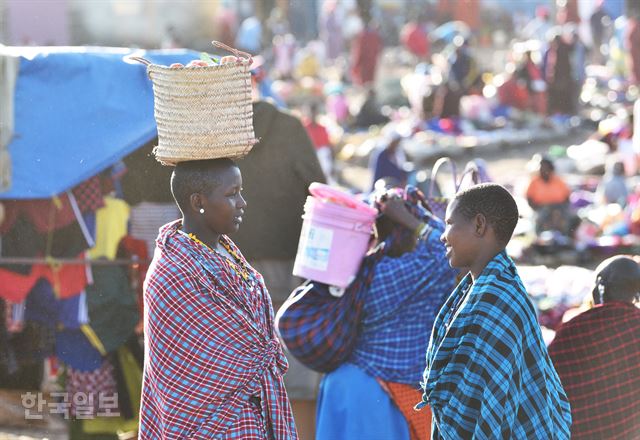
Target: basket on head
203, 112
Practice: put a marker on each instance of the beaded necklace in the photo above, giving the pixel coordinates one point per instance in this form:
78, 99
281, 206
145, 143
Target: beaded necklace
237, 266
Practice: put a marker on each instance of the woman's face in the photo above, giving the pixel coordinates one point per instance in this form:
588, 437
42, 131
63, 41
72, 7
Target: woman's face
224, 206
459, 238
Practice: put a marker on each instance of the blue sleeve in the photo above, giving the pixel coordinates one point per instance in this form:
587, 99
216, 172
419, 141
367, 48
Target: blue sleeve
396, 279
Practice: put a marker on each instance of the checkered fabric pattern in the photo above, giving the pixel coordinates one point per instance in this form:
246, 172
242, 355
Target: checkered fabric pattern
597, 356
92, 384
320, 330
211, 349
488, 372
88, 194
400, 306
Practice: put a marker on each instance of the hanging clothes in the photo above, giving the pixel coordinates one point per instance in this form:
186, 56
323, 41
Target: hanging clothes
147, 218
67, 280
92, 383
111, 226
113, 311
75, 350
45, 214
89, 195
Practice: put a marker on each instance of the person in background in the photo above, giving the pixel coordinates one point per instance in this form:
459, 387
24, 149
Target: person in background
369, 113
410, 282
414, 38
205, 310
249, 37
599, 23
388, 161
538, 28
331, 29
365, 51
548, 195
488, 372
597, 354
613, 188
320, 138
558, 74
530, 73
632, 46
464, 69
276, 174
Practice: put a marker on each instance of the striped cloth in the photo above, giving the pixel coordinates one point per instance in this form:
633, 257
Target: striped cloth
597, 355
400, 306
212, 357
488, 372
146, 218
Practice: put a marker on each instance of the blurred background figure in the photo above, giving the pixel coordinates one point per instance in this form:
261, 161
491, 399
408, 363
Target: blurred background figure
365, 51
331, 29
249, 38
414, 38
548, 196
389, 160
320, 138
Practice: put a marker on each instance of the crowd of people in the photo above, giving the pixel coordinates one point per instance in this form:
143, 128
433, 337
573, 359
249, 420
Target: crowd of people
449, 343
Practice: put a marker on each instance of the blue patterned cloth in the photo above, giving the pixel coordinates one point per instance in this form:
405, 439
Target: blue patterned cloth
400, 306
488, 372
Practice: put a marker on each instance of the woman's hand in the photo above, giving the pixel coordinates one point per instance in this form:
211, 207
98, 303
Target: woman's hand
394, 208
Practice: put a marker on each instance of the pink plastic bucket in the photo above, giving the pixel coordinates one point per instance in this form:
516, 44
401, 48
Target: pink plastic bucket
335, 236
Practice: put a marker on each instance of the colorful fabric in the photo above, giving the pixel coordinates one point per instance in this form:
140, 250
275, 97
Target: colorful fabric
45, 214
147, 218
89, 194
211, 347
75, 350
405, 398
488, 372
353, 405
91, 384
68, 280
597, 355
399, 309
111, 226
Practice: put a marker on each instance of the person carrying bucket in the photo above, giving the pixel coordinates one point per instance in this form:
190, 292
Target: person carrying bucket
409, 284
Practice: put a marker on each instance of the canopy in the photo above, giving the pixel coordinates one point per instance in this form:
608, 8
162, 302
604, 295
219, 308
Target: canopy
78, 111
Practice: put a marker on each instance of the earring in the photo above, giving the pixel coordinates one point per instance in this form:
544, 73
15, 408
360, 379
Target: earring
201, 210
601, 292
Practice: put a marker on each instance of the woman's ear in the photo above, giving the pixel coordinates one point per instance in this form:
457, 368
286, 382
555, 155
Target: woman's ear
480, 225
195, 202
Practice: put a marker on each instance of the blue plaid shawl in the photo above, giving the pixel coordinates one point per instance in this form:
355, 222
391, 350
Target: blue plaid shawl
401, 304
488, 372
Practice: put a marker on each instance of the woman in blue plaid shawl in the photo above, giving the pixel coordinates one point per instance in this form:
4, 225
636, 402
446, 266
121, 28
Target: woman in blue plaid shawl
409, 284
488, 372
213, 365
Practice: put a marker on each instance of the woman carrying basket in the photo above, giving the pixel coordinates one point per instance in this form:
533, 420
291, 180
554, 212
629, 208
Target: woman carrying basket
213, 366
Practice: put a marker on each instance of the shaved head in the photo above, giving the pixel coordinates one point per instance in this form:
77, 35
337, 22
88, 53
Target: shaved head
619, 278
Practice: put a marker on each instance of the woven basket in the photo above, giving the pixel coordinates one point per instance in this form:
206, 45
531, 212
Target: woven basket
203, 112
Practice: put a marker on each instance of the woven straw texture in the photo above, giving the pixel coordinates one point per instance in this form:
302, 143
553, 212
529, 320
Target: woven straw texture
202, 112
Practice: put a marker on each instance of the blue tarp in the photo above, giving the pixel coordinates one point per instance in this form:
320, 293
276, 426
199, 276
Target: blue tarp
78, 111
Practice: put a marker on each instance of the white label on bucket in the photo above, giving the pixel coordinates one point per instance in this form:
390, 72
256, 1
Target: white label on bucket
315, 247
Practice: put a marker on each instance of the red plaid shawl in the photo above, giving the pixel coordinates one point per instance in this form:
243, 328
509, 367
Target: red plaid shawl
211, 349
597, 356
